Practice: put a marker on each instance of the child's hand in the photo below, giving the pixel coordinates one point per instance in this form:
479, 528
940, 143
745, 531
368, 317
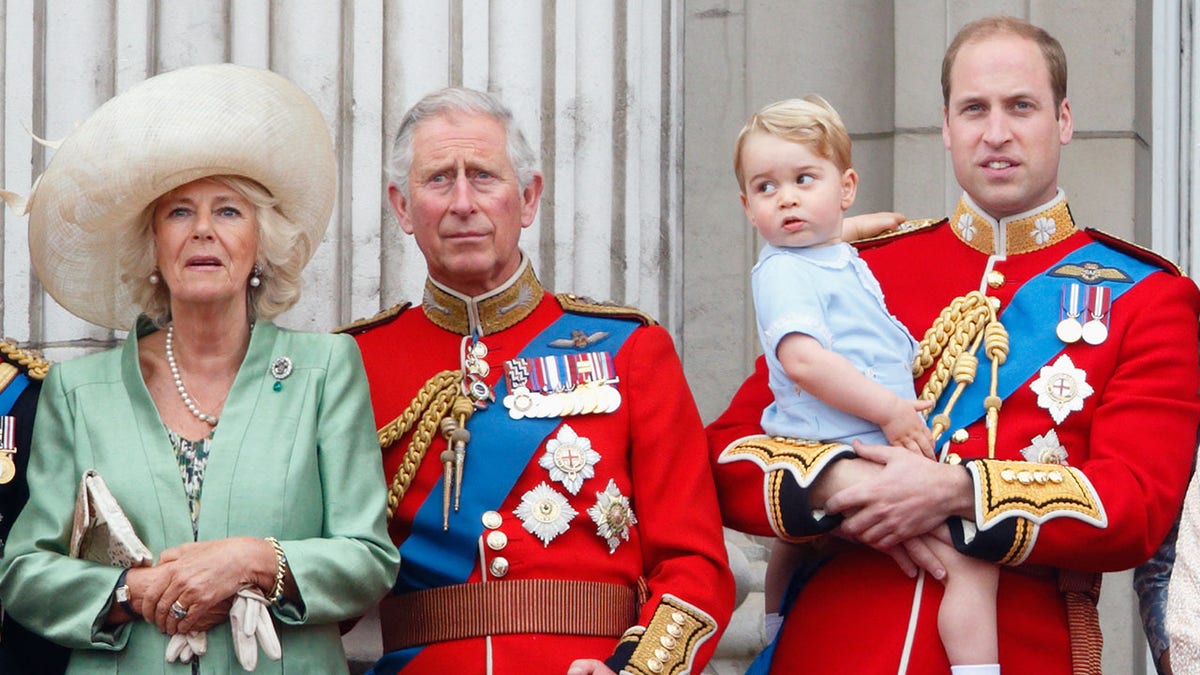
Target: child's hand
869, 225
905, 427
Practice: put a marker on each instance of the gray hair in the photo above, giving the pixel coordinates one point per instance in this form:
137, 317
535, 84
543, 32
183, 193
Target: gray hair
459, 100
283, 248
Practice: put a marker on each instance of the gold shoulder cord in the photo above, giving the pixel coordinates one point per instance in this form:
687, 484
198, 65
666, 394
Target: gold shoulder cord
426, 410
952, 341
37, 366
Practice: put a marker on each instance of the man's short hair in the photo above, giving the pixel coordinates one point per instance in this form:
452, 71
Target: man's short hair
809, 120
453, 100
1052, 51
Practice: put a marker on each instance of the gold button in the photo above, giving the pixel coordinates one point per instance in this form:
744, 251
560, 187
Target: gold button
1055, 477
499, 566
1039, 477
995, 278
496, 540
674, 631
654, 665
667, 641
678, 618
492, 519
960, 436
953, 459
1008, 475
1024, 477
661, 654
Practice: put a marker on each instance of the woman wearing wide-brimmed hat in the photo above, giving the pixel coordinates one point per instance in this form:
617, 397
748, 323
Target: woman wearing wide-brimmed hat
243, 454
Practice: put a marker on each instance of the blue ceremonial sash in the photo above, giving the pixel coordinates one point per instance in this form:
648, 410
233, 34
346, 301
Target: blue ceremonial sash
8, 397
1030, 319
502, 449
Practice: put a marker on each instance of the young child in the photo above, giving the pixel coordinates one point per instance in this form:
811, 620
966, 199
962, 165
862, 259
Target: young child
814, 295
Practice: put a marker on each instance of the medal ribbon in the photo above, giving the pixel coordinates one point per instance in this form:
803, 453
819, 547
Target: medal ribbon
8, 435
558, 372
1030, 322
1099, 300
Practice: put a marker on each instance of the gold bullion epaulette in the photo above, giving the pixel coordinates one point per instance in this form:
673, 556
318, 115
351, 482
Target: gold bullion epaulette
1135, 251
31, 360
363, 325
577, 304
905, 228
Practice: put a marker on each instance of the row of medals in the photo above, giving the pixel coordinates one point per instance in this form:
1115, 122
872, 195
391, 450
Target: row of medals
600, 396
585, 399
1095, 303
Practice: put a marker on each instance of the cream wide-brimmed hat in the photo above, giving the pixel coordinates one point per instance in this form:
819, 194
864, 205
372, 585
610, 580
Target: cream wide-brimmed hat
174, 128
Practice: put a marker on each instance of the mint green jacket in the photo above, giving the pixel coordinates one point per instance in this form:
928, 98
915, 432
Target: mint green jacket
300, 463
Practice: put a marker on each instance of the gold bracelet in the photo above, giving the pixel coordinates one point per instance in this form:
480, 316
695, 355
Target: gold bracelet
281, 566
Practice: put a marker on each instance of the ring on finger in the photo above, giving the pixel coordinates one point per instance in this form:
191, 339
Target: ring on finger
177, 610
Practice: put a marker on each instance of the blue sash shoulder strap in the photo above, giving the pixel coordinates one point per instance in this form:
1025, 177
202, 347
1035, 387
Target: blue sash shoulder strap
502, 448
10, 394
1030, 319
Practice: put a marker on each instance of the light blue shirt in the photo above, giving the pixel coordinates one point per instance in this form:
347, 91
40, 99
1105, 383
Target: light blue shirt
829, 294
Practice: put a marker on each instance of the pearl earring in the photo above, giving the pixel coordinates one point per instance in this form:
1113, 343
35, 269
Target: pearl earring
154, 278
255, 281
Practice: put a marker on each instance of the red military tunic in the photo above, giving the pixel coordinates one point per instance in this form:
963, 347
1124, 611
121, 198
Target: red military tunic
1128, 449
649, 450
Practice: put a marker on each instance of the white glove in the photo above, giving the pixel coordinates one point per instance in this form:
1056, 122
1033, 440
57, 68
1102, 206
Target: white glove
252, 627
183, 646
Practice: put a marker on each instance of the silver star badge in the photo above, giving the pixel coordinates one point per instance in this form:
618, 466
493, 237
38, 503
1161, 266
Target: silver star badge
1046, 449
613, 516
1061, 388
544, 513
569, 458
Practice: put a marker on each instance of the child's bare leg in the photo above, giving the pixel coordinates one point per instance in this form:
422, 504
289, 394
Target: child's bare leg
785, 558
967, 615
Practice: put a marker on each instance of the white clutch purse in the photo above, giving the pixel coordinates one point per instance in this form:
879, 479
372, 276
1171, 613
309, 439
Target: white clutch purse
101, 531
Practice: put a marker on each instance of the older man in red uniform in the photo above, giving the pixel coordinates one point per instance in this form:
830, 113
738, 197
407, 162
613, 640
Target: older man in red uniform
1065, 443
551, 500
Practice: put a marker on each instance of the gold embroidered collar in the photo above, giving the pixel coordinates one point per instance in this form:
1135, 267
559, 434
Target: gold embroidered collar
1036, 229
485, 314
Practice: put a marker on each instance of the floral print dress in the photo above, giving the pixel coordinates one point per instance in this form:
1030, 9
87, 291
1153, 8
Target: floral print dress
193, 458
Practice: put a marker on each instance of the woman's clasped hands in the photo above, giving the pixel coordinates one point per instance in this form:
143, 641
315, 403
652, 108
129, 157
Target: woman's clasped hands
196, 586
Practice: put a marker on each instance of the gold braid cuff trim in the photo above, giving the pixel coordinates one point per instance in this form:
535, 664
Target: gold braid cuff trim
577, 304
432, 402
36, 367
669, 643
1039, 492
803, 459
1022, 544
773, 484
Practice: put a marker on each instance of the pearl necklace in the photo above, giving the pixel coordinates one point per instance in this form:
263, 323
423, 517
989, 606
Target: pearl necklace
187, 400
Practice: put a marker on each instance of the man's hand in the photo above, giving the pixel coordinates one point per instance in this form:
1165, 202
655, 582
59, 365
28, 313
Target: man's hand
909, 497
589, 667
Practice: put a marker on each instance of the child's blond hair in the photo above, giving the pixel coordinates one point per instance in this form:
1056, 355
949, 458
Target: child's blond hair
809, 120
